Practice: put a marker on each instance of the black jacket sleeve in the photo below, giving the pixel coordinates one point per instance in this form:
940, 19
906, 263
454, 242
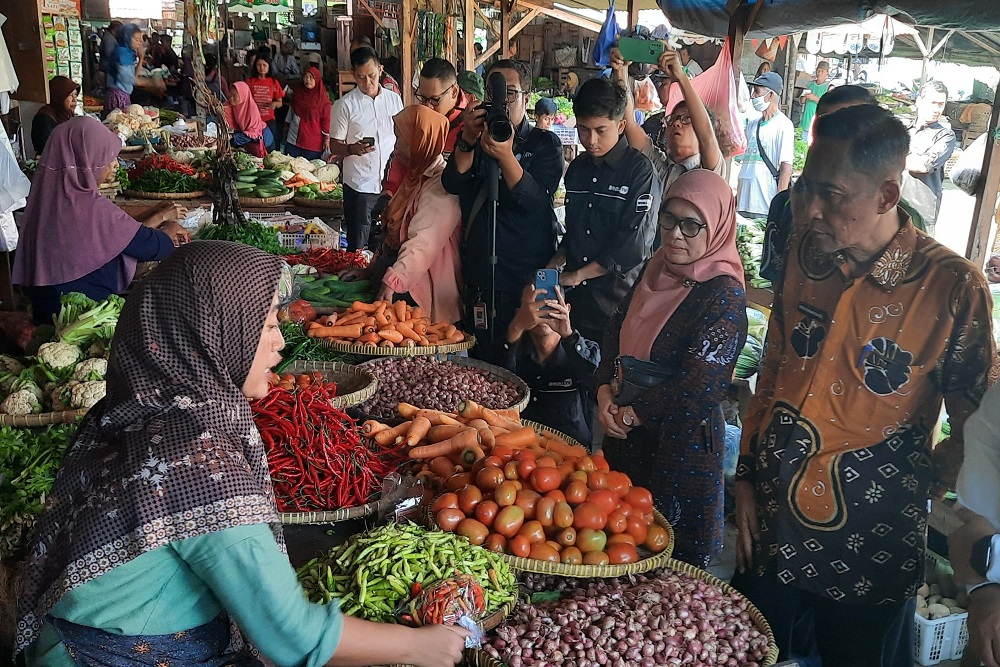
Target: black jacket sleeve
41, 128
541, 178
630, 245
582, 355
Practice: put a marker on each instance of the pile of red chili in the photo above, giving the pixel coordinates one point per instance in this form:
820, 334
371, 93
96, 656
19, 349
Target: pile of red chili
157, 161
316, 454
329, 260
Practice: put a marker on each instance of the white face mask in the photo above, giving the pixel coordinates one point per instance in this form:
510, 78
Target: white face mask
762, 102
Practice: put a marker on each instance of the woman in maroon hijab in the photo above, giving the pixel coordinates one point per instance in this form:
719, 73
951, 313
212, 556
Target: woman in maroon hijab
73, 239
61, 107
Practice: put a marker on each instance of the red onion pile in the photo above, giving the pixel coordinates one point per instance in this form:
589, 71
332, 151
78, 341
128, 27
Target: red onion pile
647, 621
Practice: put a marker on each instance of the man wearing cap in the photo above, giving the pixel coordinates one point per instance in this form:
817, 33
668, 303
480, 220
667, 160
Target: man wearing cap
472, 84
767, 163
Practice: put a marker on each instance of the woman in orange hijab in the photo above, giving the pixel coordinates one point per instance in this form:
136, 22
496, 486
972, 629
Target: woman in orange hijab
422, 220
686, 315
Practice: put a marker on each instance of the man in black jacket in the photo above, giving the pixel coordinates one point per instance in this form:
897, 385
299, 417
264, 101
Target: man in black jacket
531, 164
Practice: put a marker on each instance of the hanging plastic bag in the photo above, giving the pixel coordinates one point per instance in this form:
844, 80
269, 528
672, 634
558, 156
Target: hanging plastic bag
14, 187
717, 89
607, 38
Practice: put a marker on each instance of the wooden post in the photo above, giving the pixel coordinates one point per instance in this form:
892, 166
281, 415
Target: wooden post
505, 11
633, 14
408, 38
450, 39
989, 188
469, 29
741, 20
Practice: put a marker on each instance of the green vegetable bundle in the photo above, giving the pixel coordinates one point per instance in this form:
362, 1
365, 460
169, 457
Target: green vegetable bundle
750, 244
300, 347
312, 191
166, 181
748, 363
82, 321
374, 572
331, 292
29, 460
253, 234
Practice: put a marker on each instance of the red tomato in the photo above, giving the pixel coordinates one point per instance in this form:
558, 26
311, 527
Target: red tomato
595, 558
494, 461
589, 516
597, 480
562, 516
473, 531
442, 466
600, 463
638, 529
458, 480
545, 479
556, 495
449, 518
490, 478
508, 521
525, 467
657, 538
445, 501
640, 498
503, 453
544, 510
527, 500
543, 552
524, 455
576, 493
579, 476
497, 543
510, 470
622, 538
546, 462
533, 532
619, 483
486, 511
505, 494
626, 509
617, 522
571, 556
622, 553
586, 464
567, 537
468, 497
605, 499
519, 546
565, 470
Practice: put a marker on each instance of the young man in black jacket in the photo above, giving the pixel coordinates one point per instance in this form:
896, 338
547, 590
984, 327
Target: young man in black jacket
531, 164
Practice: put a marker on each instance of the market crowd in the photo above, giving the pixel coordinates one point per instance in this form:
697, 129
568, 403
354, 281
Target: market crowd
627, 327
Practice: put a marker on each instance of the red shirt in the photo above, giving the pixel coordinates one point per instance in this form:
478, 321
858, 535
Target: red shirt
264, 92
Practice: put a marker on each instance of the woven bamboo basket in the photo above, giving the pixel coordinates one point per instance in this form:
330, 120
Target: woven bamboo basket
354, 384
333, 516
334, 204
132, 149
523, 391
109, 190
93, 108
266, 201
651, 562
417, 351
473, 657
42, 419
137, 194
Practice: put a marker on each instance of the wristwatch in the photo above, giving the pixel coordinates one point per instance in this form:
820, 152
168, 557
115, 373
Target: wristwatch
983, 555
463, 145
628, 416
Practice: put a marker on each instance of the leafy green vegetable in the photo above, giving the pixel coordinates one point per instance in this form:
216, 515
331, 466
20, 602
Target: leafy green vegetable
243, 161
29, 460
252, 234
164, 180
299, 347
82, 321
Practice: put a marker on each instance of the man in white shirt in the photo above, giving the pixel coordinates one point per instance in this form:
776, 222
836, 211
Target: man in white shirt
767, 164
362, 133
691, 66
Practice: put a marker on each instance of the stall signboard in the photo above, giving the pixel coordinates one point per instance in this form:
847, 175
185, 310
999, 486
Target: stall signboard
261, 6
61, 7
62, 46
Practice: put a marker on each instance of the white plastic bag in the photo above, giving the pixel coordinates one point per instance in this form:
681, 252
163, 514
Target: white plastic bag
14, 185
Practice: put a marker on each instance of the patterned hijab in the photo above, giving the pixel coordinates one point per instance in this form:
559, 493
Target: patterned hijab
664, 286
425, 132
172, 451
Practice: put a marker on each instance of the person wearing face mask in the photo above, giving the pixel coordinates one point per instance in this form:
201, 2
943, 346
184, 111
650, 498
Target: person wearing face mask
611, 200
685, 317
172, 504
73, 239
767, 164
932, 141
874, 325
690, 141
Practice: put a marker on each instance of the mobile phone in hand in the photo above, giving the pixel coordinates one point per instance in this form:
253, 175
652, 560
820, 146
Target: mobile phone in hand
637, 50
368, 140
547, 280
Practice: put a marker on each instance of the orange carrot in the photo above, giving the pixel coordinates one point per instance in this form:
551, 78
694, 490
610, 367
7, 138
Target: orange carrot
487, 438
498, 430
386, 343
407, 410
563, 448
371, 427
341, 331
457, 337
391, 334
370, 337
438, 418
478, 423
370, 308
493, 419
418, 430
519, 439
405, 329
352, 318
390, 434
445, 431
510, 413
400, 309
417, 313
452, 445
381, 319
469, 409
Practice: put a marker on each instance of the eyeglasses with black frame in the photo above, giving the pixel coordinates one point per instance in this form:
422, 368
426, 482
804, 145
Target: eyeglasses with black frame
433, 101
690, 227
682, 118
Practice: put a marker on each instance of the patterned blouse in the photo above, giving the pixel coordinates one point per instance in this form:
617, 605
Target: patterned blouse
837, 439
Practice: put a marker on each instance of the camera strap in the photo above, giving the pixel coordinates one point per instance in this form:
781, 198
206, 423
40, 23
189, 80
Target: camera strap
477, 207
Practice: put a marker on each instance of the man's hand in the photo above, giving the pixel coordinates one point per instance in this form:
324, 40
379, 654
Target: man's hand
607, 412
960, 549
276, 104
360, 148
557, 315
474, 119
501, 151
984, 625
569, 279
528, 316
558, 260
619, 66
670, 63
746, 524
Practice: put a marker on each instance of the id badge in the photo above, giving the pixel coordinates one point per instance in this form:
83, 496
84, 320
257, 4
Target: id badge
479, 315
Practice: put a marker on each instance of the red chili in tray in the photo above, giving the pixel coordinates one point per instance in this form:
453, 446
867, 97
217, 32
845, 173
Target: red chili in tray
316, 454
329, 260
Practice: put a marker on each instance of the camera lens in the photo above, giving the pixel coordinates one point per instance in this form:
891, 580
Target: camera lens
500, 129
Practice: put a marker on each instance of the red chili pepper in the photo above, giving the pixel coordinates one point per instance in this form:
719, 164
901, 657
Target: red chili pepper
329, 260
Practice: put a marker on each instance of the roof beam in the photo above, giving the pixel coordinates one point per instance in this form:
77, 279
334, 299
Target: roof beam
487, 20
980, 43
568, 17
940, 44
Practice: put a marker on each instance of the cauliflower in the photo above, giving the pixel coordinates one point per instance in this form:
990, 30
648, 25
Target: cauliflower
300, 165
97, 349
90, 369
21, 402
136, 110
10, 365
29, 386
59, 356
87, 394
328, 173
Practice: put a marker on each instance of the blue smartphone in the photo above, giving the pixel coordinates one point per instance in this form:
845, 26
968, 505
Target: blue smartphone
547, 280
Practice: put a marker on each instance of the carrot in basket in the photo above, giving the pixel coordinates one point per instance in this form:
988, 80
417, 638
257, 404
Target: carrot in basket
452, 445
352, 318
389, 435
368, 337
472, 454
479, 423
391, 334
561, 447
372, 426
386, 343
339, 331
455, 338
407, 410
510, 413
445, 431
493, 419
381, 320
487, 438
407, 330
399, 308
418, 430
417, 313
470, 409
370, 308
438, 418
519, 439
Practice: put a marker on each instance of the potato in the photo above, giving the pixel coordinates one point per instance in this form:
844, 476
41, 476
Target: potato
924, 590
936, 611
922, 611
934, 599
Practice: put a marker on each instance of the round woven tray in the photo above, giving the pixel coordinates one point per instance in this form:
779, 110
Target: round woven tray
266, 201
164, 195
496, 371
354, 384
336, 204
132, 149
418, 351
93, 108
42, 419
332, 516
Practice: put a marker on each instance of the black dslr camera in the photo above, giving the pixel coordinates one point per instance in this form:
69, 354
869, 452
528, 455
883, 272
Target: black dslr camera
497, 117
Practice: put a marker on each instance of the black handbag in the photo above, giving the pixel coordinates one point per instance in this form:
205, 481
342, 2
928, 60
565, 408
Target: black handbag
634, 377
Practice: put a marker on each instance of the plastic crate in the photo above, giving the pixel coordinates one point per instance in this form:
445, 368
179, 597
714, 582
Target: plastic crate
941, 639
299, 241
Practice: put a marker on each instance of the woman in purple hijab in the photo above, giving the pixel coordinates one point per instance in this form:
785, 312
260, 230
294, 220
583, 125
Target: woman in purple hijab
73, 239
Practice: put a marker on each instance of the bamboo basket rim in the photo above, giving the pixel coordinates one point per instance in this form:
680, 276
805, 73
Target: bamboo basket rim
497, 371
418, 351
328, 368
331, 516
473, 657
131, 148
318, 203
42, 418
266, 201
139, 194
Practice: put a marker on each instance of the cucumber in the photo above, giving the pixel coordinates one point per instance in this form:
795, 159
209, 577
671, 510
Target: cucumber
247, 172
269, 183
244, 187
264, 173
246, 179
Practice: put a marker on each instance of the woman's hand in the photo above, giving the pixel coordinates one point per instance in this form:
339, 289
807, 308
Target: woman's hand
385, 293
439, 646
607, 412
746, 524
350, 275
176, 232
618, 64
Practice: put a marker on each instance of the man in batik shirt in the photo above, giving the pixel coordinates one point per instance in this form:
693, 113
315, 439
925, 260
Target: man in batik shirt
874, 324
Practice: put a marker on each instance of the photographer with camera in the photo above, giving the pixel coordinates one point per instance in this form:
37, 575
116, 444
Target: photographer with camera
497, 133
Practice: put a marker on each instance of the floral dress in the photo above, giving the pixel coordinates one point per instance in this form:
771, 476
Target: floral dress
678, 451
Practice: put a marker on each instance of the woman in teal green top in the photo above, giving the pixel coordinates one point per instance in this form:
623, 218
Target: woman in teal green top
161, 533
810, 96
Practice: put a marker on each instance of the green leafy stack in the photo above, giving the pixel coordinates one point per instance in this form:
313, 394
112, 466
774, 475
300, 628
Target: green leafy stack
261, 183
332, 292
253, 234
